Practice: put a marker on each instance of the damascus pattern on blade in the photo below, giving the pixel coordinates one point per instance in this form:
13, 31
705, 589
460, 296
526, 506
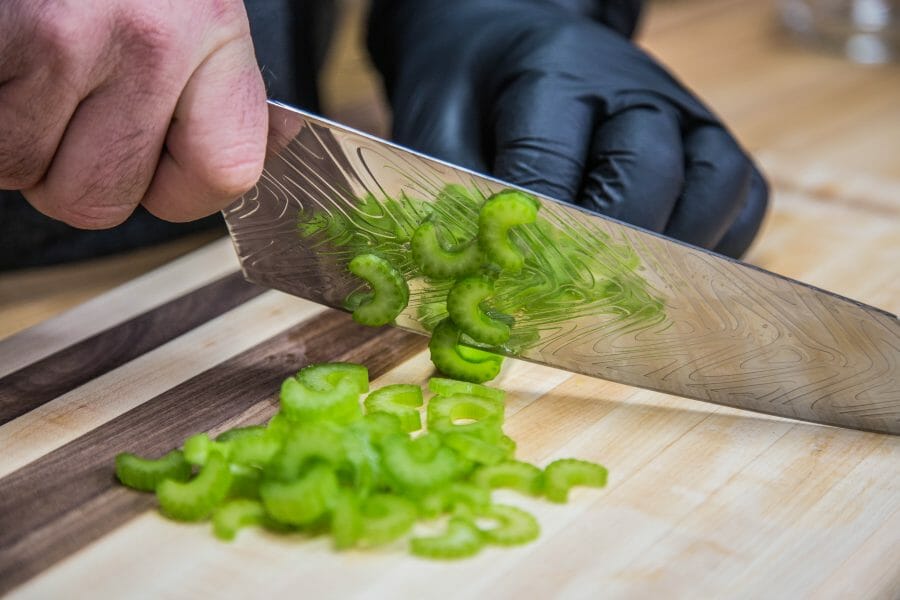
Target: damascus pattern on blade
725, 332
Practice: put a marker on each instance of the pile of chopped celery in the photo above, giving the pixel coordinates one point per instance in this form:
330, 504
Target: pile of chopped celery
472, 267
365, 472
488, 271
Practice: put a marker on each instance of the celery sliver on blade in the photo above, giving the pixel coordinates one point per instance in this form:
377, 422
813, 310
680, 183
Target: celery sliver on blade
576, 290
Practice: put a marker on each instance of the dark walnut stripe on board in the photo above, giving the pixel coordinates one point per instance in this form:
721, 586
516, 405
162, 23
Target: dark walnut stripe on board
68, 498
63, 371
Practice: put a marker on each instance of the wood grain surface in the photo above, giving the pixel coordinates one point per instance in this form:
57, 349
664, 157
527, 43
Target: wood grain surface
702, 502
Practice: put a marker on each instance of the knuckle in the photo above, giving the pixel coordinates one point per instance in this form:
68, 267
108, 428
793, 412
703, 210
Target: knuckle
150, 38
57, 32
230, 13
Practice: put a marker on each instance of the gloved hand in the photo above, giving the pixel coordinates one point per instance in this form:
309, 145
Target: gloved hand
543, 94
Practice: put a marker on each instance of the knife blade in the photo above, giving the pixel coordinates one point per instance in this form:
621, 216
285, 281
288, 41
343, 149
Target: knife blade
621, 303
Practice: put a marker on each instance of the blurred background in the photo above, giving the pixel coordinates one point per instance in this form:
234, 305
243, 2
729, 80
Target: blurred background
807, 86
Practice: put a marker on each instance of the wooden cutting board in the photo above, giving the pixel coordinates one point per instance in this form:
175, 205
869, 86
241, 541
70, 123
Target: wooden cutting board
702, 501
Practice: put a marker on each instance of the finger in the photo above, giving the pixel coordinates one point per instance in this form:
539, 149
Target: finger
740, 234
717, 176
636, 167
215, 147
107, 156
542, 130
439, 117
33, 116
43, 76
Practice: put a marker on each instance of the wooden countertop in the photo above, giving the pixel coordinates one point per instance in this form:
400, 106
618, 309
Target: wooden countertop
703, 501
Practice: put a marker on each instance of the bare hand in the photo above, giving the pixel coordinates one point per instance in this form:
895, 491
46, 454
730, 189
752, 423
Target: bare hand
107, 104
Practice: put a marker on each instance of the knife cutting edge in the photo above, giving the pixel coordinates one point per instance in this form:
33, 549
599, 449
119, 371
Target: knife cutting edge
646, 311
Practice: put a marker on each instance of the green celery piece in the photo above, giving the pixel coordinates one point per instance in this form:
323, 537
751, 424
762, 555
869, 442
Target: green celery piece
301, 403
236, 514
514, 526
197, 498
461, 539
464, 306
461, 362
324, 377
302, 501
563, 474
487, 414
390, 293
306, 444
512, 474
416, 466
500, 213
346, 520
145, 474
400, 400
385, 517
450, 387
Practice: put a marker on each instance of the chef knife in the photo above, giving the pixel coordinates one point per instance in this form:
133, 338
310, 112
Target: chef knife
647, 311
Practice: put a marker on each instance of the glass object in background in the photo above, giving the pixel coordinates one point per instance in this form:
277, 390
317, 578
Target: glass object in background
865, 31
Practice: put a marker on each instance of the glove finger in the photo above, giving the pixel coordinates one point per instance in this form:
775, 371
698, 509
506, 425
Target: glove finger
440, 118
636, 167
740, 234
717, 178
541, 135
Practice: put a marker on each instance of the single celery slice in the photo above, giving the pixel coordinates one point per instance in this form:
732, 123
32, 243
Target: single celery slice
346, 520
455, 495
385, 517
300, 402
438, 262
464, 306
508, 444
195, 499
324, 377
400, 400
199, 446
302, 501
304, 444
380, 426
255, 447
416, 466
487, 416
565, 473
240, 432
500, 213
478, 450
461, 539
235, 514
146, 474
461, 362
513, 525
245, 481
450, 387
512, 474
389, 296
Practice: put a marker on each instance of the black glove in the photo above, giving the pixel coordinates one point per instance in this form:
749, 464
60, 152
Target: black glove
553, 96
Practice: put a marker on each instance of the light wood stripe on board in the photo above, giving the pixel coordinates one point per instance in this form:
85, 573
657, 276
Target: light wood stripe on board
144, 293
58, 373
